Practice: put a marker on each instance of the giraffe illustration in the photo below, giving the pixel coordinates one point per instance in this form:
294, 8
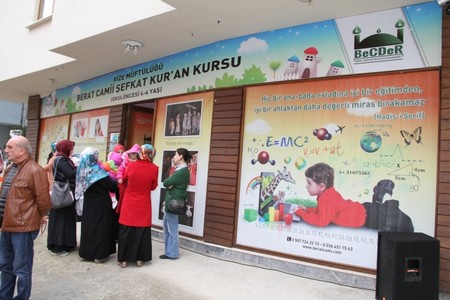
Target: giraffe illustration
282, 175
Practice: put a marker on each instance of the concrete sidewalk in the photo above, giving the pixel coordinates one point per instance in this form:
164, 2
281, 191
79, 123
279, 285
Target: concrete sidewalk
192, 276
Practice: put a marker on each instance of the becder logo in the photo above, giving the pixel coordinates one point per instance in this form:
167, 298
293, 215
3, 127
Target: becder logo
378, 47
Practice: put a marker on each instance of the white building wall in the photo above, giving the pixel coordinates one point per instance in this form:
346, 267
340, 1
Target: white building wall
27, 44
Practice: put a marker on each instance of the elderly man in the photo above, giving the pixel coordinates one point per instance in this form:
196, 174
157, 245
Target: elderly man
24, 204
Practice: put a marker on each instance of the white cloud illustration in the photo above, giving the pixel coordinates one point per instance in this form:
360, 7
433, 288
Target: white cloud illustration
364, 107
76, 91
258, 127
333, 129
252, 46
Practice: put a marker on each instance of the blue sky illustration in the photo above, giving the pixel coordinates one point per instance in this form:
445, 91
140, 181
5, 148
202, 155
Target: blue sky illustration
260, 49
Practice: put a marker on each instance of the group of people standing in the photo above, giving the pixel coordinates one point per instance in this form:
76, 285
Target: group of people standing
185, 124
26, 185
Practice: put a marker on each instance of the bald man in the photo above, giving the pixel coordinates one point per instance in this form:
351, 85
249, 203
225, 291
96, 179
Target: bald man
24, 204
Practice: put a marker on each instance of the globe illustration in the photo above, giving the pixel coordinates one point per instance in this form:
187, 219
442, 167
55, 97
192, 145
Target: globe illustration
300, 163
370, 141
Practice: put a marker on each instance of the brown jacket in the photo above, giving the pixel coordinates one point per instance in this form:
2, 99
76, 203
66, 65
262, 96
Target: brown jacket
28, 198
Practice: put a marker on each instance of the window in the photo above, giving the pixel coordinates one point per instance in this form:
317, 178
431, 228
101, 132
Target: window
45, 8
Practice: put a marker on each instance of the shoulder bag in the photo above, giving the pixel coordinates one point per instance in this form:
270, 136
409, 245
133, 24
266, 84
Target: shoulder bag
176, 206
61, 195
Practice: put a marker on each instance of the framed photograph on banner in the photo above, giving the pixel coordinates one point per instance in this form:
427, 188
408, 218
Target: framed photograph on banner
185, 219
98, 126
183, 119
168, 167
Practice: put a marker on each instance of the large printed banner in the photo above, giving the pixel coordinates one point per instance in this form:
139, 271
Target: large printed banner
397, 39
326, 164
90, 129
51, 130
85, 129
184, 122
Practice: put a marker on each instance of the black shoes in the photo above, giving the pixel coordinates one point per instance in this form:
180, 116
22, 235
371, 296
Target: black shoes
166, 257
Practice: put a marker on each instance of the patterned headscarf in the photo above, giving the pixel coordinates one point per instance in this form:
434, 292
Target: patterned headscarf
88, 171
147, 152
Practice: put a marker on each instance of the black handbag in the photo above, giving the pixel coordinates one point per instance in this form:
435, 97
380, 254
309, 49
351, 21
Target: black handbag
176, 206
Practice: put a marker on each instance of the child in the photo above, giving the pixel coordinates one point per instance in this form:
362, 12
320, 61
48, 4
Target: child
115, 159
118, 149
129, 155
121, 160
331, 207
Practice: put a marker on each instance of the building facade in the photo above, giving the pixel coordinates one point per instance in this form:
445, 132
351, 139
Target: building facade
231, 155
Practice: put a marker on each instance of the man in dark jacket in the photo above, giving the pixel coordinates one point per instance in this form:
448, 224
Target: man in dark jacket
24, 204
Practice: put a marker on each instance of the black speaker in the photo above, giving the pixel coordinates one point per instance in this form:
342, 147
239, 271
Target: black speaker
407, 266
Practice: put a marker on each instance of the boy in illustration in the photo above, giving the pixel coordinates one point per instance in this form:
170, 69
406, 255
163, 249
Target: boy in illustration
331, 206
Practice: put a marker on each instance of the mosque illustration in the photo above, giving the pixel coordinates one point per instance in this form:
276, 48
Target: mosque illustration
336, 68
307, 68
379, 39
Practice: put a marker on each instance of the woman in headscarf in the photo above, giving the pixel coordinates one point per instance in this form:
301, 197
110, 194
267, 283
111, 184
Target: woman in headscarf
61, 238
49, 166
135, 220
93, 185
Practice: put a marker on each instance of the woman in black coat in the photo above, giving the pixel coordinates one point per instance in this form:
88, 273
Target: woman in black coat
62, 237
93, 185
